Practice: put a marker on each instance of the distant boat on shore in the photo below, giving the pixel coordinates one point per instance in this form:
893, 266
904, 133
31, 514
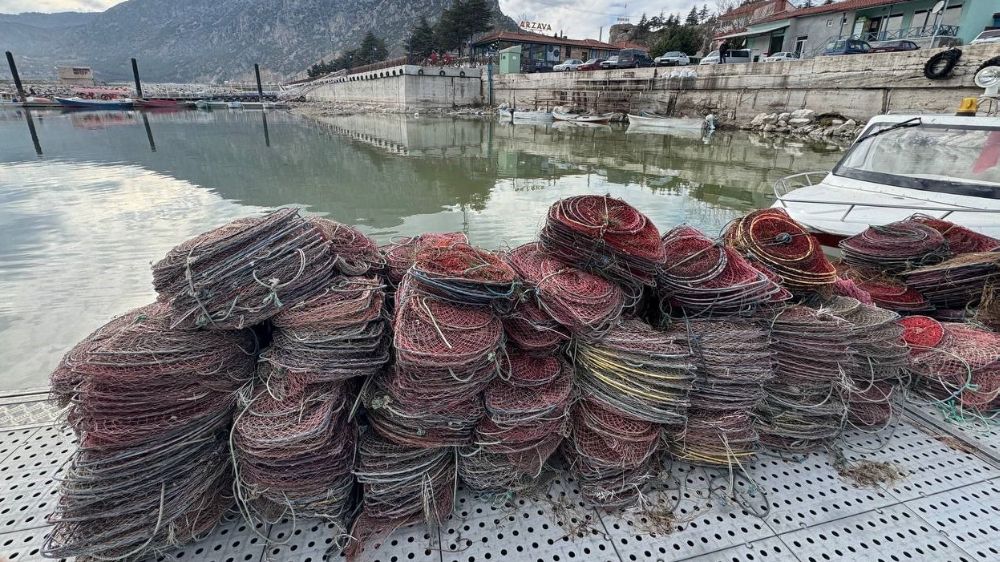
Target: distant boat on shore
144, 103
582, 117
81, 103
647, 120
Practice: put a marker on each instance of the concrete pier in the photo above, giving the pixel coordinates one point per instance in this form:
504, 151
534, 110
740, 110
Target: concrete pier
405, 87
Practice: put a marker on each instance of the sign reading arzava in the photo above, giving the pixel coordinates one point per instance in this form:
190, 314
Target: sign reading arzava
535, 25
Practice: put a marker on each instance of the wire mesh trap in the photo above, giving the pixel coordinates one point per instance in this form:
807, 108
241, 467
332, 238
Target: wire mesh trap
895, 247
242, 273
960, 240
956, 365
956, 283
603, 235
151, 406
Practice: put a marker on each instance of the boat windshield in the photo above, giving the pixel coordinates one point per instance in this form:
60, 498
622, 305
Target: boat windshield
961, 160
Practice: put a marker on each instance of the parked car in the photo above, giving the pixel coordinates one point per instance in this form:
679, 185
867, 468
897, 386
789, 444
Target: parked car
732, 56
568, 64
988, 36
781, 56
893, 46
846, 47
672, 58
533, 65
591, 64
628, 58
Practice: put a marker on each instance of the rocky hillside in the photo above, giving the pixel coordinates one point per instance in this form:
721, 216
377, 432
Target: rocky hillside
210, 40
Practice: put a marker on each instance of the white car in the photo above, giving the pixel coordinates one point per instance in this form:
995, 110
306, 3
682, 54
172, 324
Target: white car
782, 56
672, 58
988, 36
710, 58
568, 64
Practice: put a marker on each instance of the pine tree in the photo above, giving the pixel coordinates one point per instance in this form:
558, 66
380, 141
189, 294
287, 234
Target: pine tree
807, 4
703, 14
643, 23
692, 17
421, 40
372, 50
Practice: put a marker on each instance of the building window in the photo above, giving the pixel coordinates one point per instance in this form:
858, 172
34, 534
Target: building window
829, 22
952, 15
800, 44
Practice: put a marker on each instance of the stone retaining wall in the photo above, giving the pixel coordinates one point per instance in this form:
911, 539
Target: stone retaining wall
405, 87
856, 86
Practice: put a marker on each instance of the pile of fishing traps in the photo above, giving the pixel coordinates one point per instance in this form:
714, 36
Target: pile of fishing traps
733, 363
879, 357
152, 408
895, 247
954, 361
244, 272
606, 236
774, 242
409, 367
702, 276
804, 408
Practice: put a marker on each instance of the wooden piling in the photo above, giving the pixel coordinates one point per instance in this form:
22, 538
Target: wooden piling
17, 77
260, 89
135, 74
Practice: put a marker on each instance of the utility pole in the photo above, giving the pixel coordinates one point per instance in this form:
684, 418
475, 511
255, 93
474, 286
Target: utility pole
135, 75
17, 77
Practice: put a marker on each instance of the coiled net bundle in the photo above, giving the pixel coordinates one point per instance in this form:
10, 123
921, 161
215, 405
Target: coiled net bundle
532, 330
403, 485
954, 363
638, 371
988, 312
243, 273
733, 364
604, 235
846, 287
960, 240
775, 242
895, 247
400, 254
957, 282
151, 407
702, 277
464, 274
879, 357
611, 454
446, 354
804, 408
354, 253
294, 449
887, 292
527, 417
585, 304
338, 334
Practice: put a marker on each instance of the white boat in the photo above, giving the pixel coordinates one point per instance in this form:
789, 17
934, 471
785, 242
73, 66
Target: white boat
646, 120
582, 117
520, 115
211, 104
944, 166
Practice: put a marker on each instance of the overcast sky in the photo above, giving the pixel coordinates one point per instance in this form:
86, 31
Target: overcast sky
577, 18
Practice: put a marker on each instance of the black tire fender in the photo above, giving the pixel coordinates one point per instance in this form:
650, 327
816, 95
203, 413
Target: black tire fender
995, 61
441, 73
420, 72
939, 66
461, 73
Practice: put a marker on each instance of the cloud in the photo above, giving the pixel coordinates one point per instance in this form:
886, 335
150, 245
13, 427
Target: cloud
18, 6
583, 19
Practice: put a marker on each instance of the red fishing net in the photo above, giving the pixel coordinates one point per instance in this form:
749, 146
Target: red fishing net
887, 292
700, 276
354, 253
604, 235
963, 364
152, 407
955, 283
587, 305
895, 247
846, 287
464, 274
532, 330
960, 240
772, 238
294, 449
243, 273
401, 254
338, 334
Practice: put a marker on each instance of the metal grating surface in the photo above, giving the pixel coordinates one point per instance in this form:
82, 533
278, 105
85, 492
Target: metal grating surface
27, 409
946, 508
978, 434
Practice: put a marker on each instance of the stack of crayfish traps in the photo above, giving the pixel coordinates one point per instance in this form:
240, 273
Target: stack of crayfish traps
292, 368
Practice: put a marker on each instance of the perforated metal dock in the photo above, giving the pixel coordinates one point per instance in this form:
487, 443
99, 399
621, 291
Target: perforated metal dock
946, 507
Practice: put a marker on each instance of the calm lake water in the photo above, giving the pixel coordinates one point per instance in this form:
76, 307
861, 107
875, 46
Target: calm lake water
110, 193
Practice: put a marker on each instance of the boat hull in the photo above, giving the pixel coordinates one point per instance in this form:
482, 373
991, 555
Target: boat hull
77, 103
665, 122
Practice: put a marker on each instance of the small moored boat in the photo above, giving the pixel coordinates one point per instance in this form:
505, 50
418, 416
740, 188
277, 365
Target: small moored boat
582, 117
153, 103
944, 166
647, 120
82, 103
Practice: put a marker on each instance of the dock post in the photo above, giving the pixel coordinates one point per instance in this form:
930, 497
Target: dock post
489, 79
260, 89
135, 74
17, 77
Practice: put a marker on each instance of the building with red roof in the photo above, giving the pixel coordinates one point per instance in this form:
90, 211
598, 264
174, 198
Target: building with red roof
548, 48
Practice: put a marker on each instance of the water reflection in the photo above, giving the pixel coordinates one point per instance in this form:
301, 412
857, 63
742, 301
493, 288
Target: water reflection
115, 190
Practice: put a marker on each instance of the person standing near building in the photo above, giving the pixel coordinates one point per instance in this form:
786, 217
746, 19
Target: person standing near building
723, 49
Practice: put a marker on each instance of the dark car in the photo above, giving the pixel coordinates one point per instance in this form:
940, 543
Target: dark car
894, 46
534, 65
846, 47
628, 58
591, 64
